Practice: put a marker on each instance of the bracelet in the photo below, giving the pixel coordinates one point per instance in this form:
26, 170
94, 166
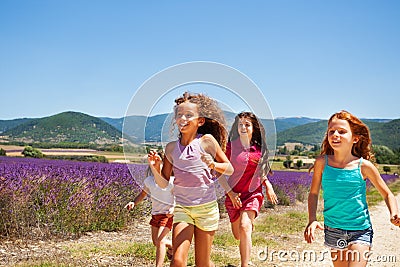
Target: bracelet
212, 166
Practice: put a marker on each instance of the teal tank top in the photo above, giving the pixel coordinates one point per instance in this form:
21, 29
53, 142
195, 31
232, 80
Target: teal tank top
344, 193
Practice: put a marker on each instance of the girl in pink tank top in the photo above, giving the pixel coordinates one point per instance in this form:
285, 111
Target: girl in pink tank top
248, 153
195, 158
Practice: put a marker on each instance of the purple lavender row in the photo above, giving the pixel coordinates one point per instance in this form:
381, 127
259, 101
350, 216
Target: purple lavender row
71, 196
64, 196
294, 186
290, 186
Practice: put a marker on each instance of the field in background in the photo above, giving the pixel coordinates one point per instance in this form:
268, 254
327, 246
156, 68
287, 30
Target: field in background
118, 157
54, 200
15, 151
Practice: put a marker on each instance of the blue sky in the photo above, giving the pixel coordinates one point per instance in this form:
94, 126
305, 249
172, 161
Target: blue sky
309, 58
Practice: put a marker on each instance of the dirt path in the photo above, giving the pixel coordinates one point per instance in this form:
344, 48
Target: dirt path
386, 244
84, 251
385, 252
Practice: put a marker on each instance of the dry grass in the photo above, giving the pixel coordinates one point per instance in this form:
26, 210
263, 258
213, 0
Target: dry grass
275, 229
15, 151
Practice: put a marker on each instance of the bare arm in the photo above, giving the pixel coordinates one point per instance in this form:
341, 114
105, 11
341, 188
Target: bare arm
309, 233
269, 190
371, 172
215, 157
137, 199
161, 176
217, 160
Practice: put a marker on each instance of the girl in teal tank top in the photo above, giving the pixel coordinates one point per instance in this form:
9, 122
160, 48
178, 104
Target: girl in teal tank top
341, 171
344, 194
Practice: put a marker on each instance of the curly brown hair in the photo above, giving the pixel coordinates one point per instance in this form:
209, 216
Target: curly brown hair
360, 149
258, 138
208, 109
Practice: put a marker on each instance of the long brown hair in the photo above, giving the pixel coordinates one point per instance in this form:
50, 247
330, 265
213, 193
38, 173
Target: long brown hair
208, 109
258, 138
360, 149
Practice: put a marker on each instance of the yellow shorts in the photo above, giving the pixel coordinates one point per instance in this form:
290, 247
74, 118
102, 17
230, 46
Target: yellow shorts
204, 216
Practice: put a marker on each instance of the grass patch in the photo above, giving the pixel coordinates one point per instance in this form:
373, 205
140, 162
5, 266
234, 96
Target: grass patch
395, 187
222, 259
117, 248
374, 197
260, 239
287, 223
41, 264
225, 239
268, 232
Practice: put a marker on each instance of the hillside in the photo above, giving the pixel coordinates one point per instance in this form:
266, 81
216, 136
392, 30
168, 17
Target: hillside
9, 124
133, 126
72, 128
310, 133
282, 124
67, 127
158, 127
382, 133
387, 134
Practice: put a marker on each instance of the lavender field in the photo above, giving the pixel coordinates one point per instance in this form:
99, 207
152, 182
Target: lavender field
43, 198
54, 197
291, 186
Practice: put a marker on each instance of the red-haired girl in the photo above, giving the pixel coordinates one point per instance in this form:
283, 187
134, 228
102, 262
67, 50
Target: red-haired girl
342, 170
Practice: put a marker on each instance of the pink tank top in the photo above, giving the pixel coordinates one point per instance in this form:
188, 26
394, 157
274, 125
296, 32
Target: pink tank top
193, 184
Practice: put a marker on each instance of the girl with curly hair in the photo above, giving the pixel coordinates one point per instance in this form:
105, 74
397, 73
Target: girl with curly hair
195, 159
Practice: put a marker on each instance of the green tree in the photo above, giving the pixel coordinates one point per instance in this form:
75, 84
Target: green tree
386, 169
283, 150
385, 155
287, 162
32, 152
315, 148
299, 163
2, 152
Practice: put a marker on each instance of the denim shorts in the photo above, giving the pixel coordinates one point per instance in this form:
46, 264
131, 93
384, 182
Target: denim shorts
341, 239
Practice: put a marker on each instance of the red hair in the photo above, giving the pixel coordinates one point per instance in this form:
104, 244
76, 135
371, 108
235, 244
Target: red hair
360, 149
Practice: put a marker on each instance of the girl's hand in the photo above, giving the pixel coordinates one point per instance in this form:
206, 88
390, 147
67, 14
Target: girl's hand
395, 220
207, 159
154, 159
130, 206
309, 233
235, 198
269, 190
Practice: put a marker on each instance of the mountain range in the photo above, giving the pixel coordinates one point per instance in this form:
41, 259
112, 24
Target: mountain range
65, 128
383, 132
75, 128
